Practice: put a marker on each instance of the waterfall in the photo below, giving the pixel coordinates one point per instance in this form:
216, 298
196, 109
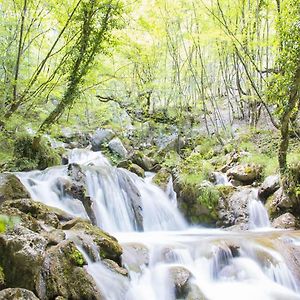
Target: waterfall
165, 259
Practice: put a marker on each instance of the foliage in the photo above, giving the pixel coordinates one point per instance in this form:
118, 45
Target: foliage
7, 222
77, 258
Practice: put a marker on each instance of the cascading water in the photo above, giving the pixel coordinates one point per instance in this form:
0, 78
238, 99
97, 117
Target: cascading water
165, 259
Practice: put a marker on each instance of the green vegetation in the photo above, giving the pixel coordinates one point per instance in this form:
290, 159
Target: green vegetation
7, 222
77, 258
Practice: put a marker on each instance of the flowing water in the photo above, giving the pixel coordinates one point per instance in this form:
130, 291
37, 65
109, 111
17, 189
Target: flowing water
165, 258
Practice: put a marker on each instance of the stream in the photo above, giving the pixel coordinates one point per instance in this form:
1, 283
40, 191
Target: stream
165, 257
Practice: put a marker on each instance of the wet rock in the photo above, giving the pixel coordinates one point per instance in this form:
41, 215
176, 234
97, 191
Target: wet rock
245, 173
108, 246
21, 255
11, 188
48, 215
117, 147
135, 256
268, 187
17, 294
99, 137
143, 161
128, 165
234, 210
278, 203
285, 221
162, 178
62, 274
134, 195
180, 277
113, 266
77, 189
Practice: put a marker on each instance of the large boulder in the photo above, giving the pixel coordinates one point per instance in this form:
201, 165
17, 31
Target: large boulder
162, 178
62, 274
11, 188
117, 147
74, 138
99, 137
180, 277
145, 162
77, 188
21, 255
245, 173
268, 187
285, 221
93, 237
233, 210
17, 294
128, 165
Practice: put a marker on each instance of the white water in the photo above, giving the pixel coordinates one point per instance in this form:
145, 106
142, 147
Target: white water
222, 265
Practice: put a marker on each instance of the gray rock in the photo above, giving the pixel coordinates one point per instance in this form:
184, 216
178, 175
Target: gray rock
21, 255
285, 221
268, 187
245, 173
99, 137
17, 294
180, 277
234, 210
116, 147
11, 188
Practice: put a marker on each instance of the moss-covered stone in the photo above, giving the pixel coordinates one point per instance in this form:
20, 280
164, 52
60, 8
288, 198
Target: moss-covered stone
134, 168
11, 188
162, 178
2, 278
108, 246
33, 153
17, 294
62, 275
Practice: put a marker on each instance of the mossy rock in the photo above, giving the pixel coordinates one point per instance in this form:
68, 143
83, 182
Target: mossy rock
50, 216
162, 178
62, 274
2, 278
33, 153
17, 294
108, 246
11, 188
134, 168
21, 256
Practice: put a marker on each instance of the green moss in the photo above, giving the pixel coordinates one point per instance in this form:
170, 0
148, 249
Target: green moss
162, 178
2, 277
7, 222
209, 198
33, 153
77, 258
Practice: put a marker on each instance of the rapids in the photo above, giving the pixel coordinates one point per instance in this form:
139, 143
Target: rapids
166, 259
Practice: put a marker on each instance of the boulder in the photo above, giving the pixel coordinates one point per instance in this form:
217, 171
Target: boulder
92, 236
245, 173
11, 188
128, 165
278, 203
285, 221
99, 137
21, 255
143, 161
62, 274
74, 138
162, 178
77, 189
117, 147
233, 210
180, 277
268, 187
17, 294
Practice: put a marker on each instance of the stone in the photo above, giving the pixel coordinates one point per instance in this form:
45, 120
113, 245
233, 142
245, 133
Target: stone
233, 210
162, 178
285, 221
245, 173
268, 187
128, 165
21, 255
17, 294
106, 245
11, 188
113, 266
143, 161
117, 147
180, 277
62, 274
99, 137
